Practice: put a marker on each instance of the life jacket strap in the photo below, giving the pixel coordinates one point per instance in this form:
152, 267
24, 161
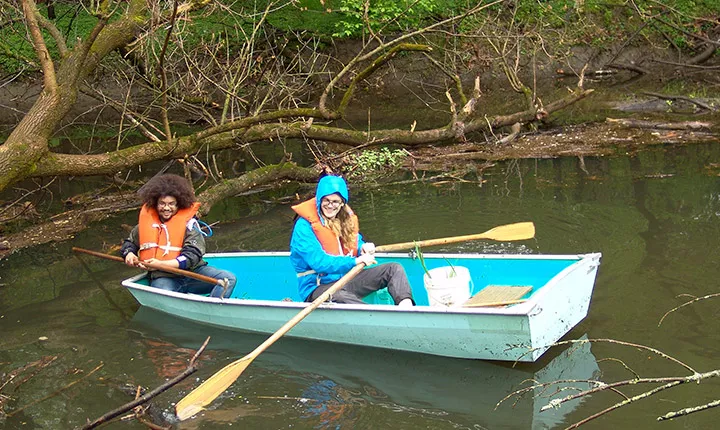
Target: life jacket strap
305, 273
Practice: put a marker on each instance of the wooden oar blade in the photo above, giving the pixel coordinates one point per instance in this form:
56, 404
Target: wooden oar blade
219, 382
509, 232
209, 390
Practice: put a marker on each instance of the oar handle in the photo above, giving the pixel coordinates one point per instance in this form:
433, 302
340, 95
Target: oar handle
303, 313
430, 242
181, 272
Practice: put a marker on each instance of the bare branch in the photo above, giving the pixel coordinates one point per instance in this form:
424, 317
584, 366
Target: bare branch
54, 32
697, 299
688, 411
46, 62
163, 75
694, 378
55, 393
192, 368
379, 62
383, 46
619, 342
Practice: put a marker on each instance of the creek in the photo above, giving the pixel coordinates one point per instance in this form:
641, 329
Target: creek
653, 215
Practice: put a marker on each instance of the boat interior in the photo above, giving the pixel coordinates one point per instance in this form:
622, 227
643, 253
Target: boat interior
436, 279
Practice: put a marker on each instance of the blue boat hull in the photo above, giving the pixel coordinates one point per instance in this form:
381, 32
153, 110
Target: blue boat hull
266, 298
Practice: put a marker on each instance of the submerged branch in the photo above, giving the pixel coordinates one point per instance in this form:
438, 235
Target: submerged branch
688, 411
192, 368
696, 299
682, 125
56, 392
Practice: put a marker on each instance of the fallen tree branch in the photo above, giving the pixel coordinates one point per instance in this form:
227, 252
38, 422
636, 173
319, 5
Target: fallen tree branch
145, 398
639, 123
514, 131
271, 175
688, 411
696, 102
600, 386
65, 225
630, 67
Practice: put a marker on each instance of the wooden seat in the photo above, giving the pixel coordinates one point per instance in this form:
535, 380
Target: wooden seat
498, 295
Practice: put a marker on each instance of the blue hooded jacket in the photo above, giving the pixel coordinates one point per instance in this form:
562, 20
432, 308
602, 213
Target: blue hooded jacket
306, 252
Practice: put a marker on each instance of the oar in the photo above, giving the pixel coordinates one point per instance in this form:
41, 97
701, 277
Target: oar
181, 272
503, 233
209, 390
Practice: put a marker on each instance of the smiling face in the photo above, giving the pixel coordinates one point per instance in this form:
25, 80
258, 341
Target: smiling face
166, 207
331, 205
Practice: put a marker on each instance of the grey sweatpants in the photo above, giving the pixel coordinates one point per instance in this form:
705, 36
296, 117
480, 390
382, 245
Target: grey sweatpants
389, 275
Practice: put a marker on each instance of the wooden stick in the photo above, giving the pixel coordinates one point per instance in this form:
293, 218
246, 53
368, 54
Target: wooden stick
181, 272
192, 368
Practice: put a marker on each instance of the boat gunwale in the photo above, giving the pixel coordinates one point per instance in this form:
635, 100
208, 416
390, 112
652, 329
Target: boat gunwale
473, 256
521, 309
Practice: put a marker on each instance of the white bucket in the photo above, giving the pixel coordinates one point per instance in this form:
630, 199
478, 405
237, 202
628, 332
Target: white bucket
447, 286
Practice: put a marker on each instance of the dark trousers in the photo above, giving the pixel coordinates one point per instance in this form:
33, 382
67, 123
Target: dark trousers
390, 275
184, 284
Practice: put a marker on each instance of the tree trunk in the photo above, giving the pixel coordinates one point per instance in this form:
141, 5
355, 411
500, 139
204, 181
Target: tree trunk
27, 145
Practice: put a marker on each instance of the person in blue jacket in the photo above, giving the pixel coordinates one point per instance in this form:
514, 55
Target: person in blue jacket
326, 243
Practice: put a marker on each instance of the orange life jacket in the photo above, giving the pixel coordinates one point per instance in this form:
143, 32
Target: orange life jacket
159, 240
328, 239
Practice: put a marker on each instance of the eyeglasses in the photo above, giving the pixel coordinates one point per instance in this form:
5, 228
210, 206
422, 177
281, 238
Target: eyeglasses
171, 205
334, 203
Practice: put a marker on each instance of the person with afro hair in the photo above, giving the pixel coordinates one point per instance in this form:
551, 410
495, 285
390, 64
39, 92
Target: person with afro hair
168, 234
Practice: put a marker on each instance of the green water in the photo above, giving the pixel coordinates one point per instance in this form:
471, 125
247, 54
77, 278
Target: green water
653, 216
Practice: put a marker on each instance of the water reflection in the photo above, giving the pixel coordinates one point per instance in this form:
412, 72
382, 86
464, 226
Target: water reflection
336, 385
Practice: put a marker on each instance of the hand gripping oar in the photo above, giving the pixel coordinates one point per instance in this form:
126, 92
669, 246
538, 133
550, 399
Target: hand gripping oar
182, 272
220, 381
209, 390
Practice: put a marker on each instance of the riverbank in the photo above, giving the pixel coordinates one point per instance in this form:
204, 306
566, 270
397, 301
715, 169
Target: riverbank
630, 109
614, 137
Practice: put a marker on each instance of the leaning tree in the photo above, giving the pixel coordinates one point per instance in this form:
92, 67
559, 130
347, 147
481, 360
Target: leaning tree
245, 82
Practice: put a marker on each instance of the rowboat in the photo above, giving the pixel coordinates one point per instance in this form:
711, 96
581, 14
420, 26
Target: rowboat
449, 319
460, 391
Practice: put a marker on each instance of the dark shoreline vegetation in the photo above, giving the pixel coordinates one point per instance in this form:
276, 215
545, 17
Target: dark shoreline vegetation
246, 97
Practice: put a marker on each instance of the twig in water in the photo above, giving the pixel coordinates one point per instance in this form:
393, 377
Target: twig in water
688, 411
695, 299
55, 393
164, 387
